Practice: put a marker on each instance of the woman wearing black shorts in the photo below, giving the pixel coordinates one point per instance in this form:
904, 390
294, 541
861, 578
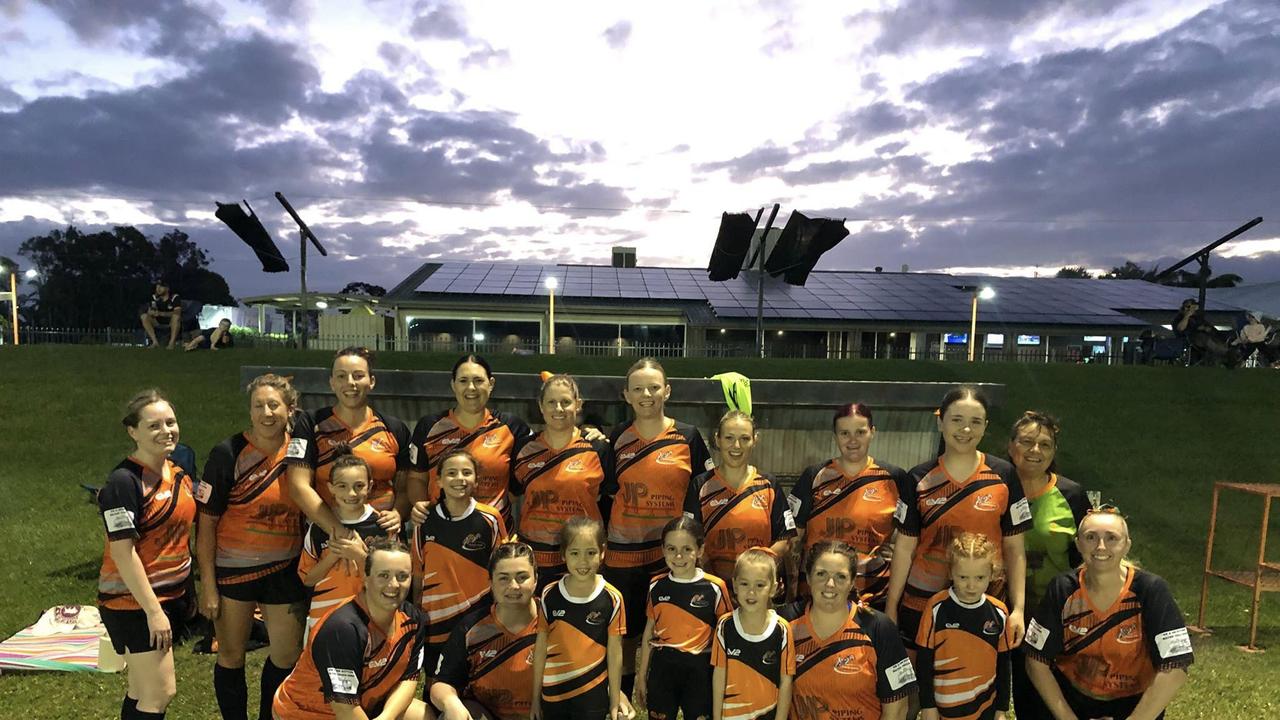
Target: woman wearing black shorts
144, 587
248, 544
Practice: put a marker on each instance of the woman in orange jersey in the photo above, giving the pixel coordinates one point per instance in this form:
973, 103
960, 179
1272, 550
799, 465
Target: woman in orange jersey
753, 652
144, 587
654, 458
1107, 640
558, 474
453, 539
486, 669
381, 440
850, 661
739, 506
963, 643
365, 658
962, 490
490, 436
249, 539
674, 674
852, 498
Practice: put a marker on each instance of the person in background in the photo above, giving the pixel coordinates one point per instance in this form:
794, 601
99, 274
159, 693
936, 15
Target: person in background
164, 311
215, 338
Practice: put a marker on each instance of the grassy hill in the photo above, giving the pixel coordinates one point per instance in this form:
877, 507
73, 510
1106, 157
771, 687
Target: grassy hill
1153, 440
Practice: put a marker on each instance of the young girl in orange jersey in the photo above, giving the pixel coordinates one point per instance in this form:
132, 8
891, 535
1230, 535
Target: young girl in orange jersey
558, 474
738, 506
964, 640
674, 674
753, 653
330, 566
577, 661
486, 668
452, 541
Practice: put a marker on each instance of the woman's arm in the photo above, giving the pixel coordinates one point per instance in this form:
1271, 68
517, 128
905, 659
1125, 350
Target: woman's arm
321, 568
539, 661
298, 478
1160, 693
613, 659
904, 550
896, 710
1042, 678
399, 700
642, 670
416, 483
445, 697
717, 693
206, 554
784, 698
1015, 562
343, 711
135, 578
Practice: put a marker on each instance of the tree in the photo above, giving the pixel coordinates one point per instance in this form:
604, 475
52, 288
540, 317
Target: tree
1074, 271
102, 279
1182, 278
363, 288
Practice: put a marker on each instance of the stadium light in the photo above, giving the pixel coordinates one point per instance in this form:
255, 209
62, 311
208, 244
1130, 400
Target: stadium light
551, 283
985, 292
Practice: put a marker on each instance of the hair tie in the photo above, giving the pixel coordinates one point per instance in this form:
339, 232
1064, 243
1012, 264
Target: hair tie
545, 375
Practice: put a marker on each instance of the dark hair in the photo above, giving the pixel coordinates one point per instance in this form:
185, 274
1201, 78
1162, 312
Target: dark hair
512, 549
850, 410
963, 392
133, 409
578, 524
832, 547
1043, 421
643, 364
357, 350
382, 543
478, 360
684, 523
344, 459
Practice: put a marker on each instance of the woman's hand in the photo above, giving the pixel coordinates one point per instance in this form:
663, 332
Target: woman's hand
420, 511
535, 708
161, 632
591, 433
350, 549
389, 521
623, 711
1017, 628
929, 714
208, 598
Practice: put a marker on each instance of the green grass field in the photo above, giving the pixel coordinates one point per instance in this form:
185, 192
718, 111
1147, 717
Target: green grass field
1153, 440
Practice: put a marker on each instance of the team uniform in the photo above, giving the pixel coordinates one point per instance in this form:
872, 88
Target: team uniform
557, 485
451, 557
575, 678
381, 440
963, 657
259, 536
350, 660
684, 614
1056, 512
648, 488
754, 665
852, 672
755, 515
343, 581
488, 663
156, 512
830, 505
492, 443
937, 508
1104, 659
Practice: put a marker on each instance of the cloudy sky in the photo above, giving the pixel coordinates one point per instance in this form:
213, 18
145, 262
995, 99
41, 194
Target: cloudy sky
1001, 135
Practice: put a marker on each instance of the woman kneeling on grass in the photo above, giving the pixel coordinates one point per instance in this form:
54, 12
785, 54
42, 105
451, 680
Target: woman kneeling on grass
144, 587
1107, 640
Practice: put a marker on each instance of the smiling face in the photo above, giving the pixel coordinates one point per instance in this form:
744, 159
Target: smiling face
681, 551
350, 488
560, 407
970, 577
583, 555
472, 386
853, 438
157, 431
268, 413
386, 585
513, 581
1103, 541
736, 438
754, 585
962, 425
1032, 450
351, 381
831, 580
647, 392
458, 477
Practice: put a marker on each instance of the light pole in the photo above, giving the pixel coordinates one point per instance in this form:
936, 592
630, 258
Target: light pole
551, 283
13, 295
979, 293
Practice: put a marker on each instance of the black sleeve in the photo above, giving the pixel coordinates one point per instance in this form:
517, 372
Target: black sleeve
302, 442
1043, 640
120, 502
452, 666
924, 676
610, 486
424, 656
1078, 501
699, 455
1168, 642
781, 523
214, 490
337, 651
907, 515
1004, 675
801, 500
1016, 518
520, 429
400, 432
692, 507
418, 443
514, 486
604, 451
895, 677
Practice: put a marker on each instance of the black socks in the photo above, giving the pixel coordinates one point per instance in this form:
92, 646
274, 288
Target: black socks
231, 692
272, 676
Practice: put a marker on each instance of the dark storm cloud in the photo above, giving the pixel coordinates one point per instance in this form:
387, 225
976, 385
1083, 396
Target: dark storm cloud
9, 98
934, 22
751, 165
165, 28
876, 119
618, 34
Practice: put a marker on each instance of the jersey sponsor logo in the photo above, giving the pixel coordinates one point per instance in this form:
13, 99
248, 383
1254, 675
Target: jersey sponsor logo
450, 441
733, 652
204, 491
872, 494
770, 657
473, 542
574, 466
1037, 635
543, 498
934, 502
699, 601
379, 445
1078, 630
985, 502
164, 495
595, 617
429, 538
118, 519
667, 457
758, 502
718, 503
991, 627
729, 539
633, 493
847, 665
839, 527
297, 449
664, 598
1172, 643
626, 456
952, 626
557, 613
343, 680
488, 654
1128, 634
828, 493
900, 674
536, 465
492, 441
1020, 512
376, 663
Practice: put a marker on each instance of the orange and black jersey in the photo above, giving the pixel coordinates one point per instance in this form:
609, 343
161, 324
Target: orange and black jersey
451, 560
382, 440
578, 630
155, 511
858, 509
684, 612
756, 514
853, 671
648, 487
260, 530
492, 443
963, 657
1115, 652
485, 661
754, 665
938, 508
350, 660
557, 485
344, 580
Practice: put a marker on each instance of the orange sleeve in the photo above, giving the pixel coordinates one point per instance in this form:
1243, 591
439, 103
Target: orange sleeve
618, 626
726, 603
306, 561
789, 652
718, 656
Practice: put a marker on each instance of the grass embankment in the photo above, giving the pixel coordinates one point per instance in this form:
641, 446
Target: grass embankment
1153, 440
